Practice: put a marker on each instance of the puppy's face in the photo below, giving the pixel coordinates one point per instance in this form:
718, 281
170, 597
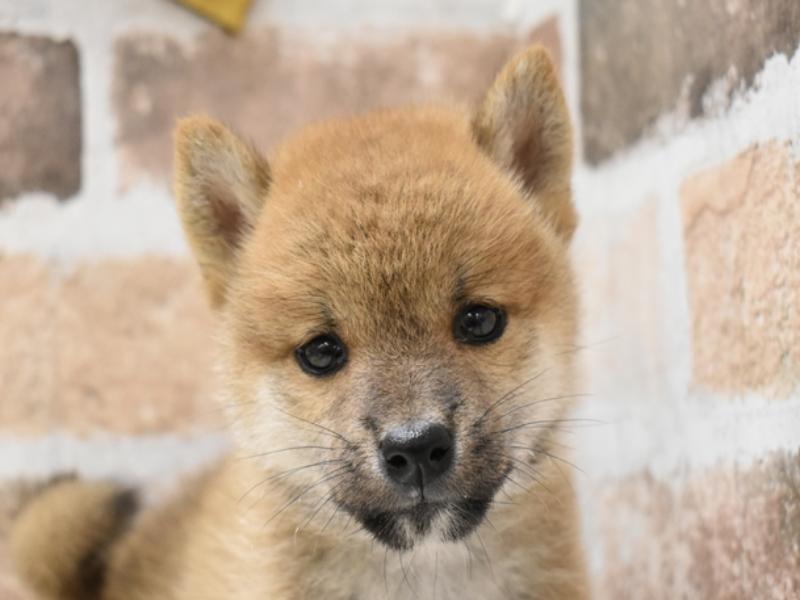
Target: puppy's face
397, 300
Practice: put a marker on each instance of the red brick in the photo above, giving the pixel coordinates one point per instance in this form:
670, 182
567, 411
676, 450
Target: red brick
40, 116
742, 246
271, 81
721, 534
643, 58
118, 345
27, 351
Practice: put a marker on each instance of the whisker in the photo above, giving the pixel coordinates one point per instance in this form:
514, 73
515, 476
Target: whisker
538, 481
469, 558
488, 558
516, 483
334, 474
549, 455
540, 401
288, 472
385, 578
322, 503
262, 454
575, 348
509, 501
509, 395
356, 529
405, 574
527, 470
563, 476
334, 511
504, 502
330, 519
548, 423
328, 430
435, 573
524, 469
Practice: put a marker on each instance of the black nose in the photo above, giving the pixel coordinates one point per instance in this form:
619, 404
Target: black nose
416, 454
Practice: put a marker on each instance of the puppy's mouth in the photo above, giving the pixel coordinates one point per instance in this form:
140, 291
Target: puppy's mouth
399, 514
401, 529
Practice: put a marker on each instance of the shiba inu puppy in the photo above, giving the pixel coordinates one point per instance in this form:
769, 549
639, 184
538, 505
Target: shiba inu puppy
397, 312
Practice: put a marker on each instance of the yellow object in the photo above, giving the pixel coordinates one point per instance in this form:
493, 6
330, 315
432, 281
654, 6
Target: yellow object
228, 14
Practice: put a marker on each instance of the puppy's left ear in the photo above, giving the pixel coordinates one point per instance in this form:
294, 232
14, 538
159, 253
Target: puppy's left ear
221, 183
523, 124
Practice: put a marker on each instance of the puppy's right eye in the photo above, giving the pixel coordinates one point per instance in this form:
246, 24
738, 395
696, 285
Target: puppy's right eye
323, 355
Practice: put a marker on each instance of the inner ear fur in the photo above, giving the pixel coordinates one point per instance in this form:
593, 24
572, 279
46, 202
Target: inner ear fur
523, 124
221, 183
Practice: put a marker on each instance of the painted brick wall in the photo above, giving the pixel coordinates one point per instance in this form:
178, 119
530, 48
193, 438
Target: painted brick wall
688, 186
690, 253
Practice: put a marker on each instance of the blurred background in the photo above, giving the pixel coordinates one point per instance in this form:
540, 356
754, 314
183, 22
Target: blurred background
687, 182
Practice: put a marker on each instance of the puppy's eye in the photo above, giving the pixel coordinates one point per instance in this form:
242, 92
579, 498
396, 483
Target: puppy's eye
479, 324
323, 355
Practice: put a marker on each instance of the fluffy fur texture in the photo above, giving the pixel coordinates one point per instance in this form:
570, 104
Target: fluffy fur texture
380, 229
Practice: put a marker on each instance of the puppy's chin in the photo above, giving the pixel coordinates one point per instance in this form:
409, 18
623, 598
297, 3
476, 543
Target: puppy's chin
401, 530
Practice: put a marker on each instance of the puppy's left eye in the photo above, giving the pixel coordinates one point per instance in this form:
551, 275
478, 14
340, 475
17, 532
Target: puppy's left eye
479, 324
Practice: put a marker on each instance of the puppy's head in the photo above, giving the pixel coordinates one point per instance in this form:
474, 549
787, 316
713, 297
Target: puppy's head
396, 298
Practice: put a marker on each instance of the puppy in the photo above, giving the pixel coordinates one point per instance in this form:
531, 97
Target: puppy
397, 311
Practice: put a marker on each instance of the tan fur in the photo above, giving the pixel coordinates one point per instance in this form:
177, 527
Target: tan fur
223, 188
61, 538
380, 228
524, 125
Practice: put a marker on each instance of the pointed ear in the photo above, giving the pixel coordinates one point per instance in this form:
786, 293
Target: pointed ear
220, 185
523, 124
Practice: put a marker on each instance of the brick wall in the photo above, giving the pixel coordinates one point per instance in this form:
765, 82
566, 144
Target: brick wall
690, 254
688, 187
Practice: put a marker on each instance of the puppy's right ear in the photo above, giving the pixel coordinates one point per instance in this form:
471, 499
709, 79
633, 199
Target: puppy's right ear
220, 185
